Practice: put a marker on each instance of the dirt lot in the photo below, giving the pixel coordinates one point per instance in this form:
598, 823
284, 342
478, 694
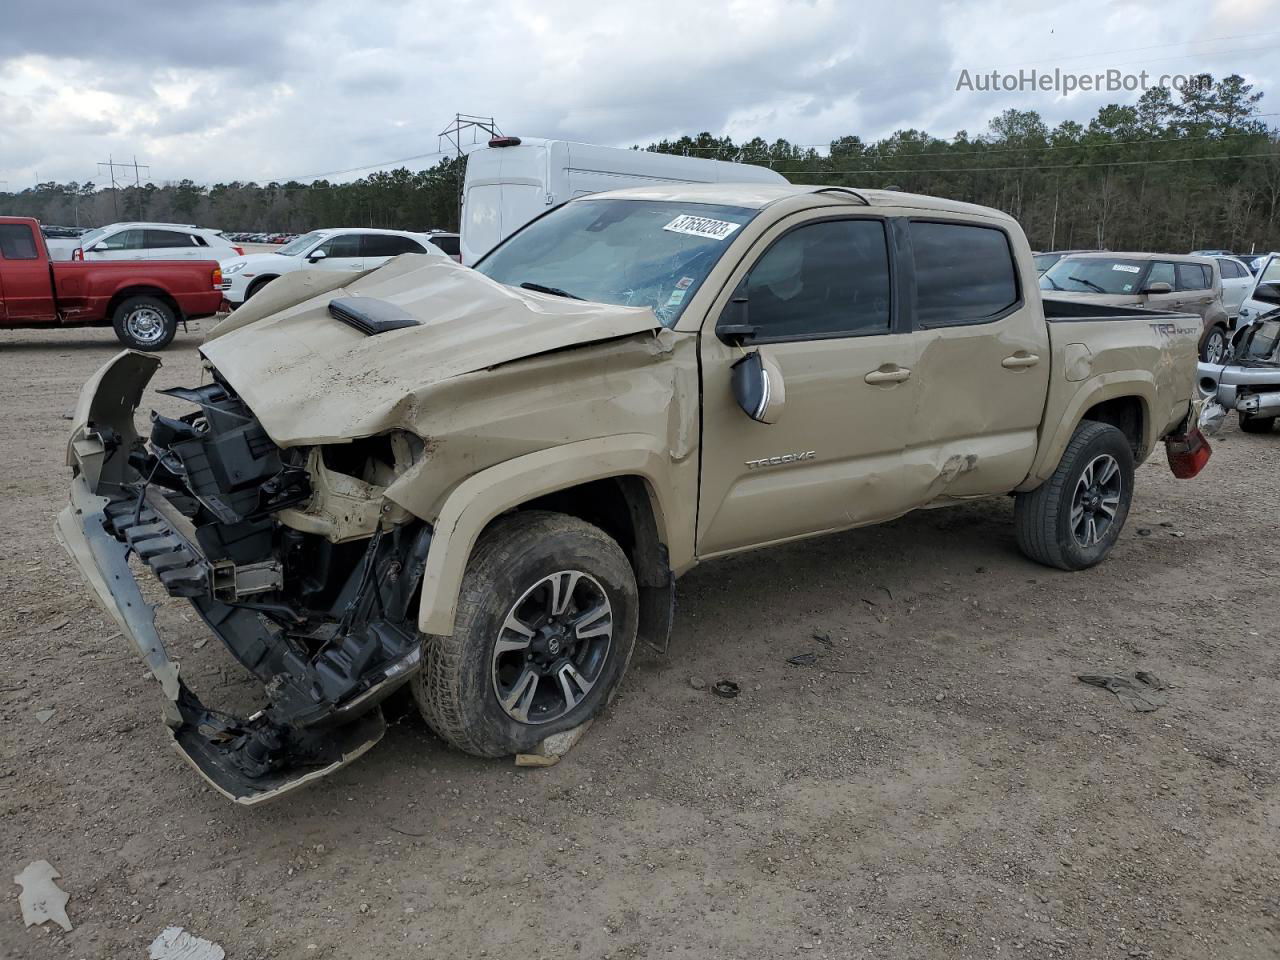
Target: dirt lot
937, 785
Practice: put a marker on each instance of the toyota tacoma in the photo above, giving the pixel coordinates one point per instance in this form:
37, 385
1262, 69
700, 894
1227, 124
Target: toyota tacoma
483, 483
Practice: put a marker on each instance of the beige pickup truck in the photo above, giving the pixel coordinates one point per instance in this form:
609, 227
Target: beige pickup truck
484, 482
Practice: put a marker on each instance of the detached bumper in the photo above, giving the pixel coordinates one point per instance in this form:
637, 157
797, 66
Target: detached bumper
241, 758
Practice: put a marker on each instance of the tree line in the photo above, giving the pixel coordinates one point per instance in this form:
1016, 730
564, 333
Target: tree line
1174, 171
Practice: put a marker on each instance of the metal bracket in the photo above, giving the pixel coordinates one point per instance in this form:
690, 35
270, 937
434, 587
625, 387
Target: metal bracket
231, 582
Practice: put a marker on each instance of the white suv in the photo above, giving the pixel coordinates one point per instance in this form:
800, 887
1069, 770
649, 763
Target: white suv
337, 249
146, 241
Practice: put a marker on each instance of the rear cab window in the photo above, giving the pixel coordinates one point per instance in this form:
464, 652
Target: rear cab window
964, 273
17, 242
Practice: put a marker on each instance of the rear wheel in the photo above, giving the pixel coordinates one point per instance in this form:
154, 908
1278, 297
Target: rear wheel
545, 628
145, 323
1073, 519
1250, 423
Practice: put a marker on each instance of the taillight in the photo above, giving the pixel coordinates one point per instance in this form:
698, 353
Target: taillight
77, 253
239, 250
217, 278
1188, 453
505, 142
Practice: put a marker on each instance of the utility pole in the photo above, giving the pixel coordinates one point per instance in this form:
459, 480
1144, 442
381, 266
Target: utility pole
111, 166
455, 133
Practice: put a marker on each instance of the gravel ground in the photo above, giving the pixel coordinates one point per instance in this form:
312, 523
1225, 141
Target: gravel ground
935, 785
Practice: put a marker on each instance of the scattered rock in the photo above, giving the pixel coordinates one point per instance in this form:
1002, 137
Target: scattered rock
940, 697
41, 899
1144, 531
550, 750
697, 683
174, 943
44, 716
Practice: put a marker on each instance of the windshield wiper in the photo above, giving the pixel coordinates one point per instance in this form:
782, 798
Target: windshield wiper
554, 291
1087, 283
1053, 281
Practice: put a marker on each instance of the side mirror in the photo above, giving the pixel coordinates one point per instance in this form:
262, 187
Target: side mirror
1160, 287
316, 255
757, 386
734, 325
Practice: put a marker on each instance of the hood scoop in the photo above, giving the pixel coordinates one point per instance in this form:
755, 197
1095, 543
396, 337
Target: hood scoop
369, 315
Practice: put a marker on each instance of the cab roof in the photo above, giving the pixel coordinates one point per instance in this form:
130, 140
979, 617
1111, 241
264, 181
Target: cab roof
757, 196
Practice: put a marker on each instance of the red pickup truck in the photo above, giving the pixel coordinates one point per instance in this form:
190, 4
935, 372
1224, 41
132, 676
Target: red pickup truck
144, 300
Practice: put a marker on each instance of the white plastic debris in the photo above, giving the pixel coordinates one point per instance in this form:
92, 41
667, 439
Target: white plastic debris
41, 899
174, 943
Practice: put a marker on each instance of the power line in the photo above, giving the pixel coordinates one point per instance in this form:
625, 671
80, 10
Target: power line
1042, 166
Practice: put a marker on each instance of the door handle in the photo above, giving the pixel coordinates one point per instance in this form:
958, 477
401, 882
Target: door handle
887, 375
1017, 361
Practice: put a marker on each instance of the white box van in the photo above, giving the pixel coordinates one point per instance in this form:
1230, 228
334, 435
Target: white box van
513, 180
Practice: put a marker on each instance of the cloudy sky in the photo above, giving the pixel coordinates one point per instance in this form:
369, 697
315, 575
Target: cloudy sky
277, 89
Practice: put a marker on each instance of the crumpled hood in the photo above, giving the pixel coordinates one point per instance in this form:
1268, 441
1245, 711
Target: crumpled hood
310, 378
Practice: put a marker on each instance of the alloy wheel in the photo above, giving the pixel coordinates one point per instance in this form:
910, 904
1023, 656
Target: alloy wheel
1096, 500
552, 647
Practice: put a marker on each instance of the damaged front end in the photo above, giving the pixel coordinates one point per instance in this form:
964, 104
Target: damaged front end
1249, 381
291, 556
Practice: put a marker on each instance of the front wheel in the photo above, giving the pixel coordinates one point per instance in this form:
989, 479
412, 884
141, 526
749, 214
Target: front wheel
545, 628
145, 323
1214, 348
1073, 519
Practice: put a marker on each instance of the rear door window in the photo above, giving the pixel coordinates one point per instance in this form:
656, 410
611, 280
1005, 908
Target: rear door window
1193, 276
17, 242
965, 273
387, 245
166, 239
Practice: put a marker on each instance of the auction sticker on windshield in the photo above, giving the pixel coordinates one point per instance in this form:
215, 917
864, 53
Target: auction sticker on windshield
1125, 267
702, 227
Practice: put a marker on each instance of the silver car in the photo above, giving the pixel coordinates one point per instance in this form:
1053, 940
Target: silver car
1249, 382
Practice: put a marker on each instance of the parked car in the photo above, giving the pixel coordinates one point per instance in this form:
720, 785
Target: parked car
1262, 298
1212, 253
484, 482
1255, 263
146, 241
1249, 380
348, 249
1237, 282
143, 300
1044, 261
1165, 281
450, 243
512, 181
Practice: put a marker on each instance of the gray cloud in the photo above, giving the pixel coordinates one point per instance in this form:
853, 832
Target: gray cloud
258, 90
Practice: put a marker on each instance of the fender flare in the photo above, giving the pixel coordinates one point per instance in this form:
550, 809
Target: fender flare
1098, 389
475, 502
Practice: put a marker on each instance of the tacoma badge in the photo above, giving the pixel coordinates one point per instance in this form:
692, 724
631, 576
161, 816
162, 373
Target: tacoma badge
779, 461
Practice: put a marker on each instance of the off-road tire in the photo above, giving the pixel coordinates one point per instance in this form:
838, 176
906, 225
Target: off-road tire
1042, 517
124, 322
1250, 423
455, 690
